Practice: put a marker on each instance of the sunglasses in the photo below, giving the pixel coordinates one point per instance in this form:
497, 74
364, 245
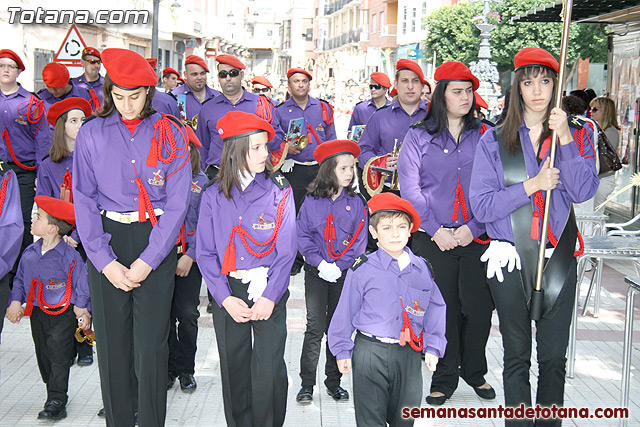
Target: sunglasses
94, 61
261, 90
233, 73
594, 108
375, 87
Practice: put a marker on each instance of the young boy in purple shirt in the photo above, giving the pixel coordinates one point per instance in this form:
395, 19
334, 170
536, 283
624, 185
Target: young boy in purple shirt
390, 298
51, 278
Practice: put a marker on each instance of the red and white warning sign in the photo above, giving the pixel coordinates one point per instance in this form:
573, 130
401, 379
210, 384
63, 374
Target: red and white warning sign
70, 51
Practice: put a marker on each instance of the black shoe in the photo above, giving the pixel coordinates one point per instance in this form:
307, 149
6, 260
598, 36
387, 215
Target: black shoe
305, 395
295, 269
338, 393
85, 360
171, 381
188, 383
101, 412
209, 308
436, 400
485, 393
53, 410
73, 361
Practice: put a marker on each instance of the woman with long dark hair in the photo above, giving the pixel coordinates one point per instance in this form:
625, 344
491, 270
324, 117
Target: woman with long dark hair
510, 175
245, 247
131, 190
603, 111
435, 170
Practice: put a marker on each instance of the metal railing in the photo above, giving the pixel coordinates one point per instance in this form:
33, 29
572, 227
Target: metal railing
351, 36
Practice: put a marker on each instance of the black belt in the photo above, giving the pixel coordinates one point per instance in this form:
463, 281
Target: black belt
557, 267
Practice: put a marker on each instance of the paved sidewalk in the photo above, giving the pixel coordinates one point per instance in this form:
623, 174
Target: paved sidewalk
596, 382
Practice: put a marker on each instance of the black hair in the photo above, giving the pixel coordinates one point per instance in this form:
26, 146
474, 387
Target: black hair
573, 106
325, 184
436, 120
64, 228
108, 106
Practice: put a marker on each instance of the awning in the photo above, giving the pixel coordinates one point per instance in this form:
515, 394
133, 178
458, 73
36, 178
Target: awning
586, 11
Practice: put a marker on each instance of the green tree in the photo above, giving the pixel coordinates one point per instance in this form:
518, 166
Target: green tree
454, 38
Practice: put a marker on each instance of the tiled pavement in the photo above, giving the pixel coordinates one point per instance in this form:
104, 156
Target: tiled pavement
596, 383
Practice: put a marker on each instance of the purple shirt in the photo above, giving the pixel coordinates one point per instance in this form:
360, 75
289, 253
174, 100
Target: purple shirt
215, 108
255, 208
363, 111
11, 223
370, 303
104, 179
95, 85
75, 92
51, 269
348, 212
191, 220
312, 115
430, 168
165, 103
385, 126
492, 201
193, 104
30, 141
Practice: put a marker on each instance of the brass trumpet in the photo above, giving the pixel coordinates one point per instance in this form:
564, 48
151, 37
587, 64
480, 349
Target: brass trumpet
301, 142
395, 183
193, 122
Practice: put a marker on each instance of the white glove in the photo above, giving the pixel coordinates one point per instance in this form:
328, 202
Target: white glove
287, 166
498, 255
329, 271
257, 280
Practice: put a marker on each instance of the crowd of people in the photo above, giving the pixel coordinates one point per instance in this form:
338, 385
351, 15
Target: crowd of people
410, 233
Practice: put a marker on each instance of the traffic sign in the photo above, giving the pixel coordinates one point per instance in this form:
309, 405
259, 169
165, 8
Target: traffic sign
70, 51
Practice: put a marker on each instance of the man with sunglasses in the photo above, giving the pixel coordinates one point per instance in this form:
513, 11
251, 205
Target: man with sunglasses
234, 97
262, 86
379, 85
91, 80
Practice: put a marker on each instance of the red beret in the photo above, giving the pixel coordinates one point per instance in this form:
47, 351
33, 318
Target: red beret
127, 69
182, 80
393, 92
56, 208
335, 147
381, 79
454, 70
480, 102
292, 71
533, 57
194, 59
68, 104
170, 70
192, 137
382, 202
90, 51
238, 123
152, 61
230, 60
262, 81
407, 64
8, 53
55, 75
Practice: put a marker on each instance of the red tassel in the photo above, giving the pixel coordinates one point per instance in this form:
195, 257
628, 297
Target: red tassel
30, 298
152, 158
142, 215
229, 262
535, 226
456, 206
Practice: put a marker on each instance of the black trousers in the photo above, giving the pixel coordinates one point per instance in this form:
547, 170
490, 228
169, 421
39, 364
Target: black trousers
53, 337
254, 377
386, 378
4, 299
460, 276
132, 332
321, 298
300, 178
552, 337
27, 187
183, 329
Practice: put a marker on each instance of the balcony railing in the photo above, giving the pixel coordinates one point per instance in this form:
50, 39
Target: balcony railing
335, 6
351, 36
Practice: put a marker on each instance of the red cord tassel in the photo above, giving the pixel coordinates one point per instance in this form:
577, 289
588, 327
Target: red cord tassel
30, 298
535, 226
229, 262
152, 158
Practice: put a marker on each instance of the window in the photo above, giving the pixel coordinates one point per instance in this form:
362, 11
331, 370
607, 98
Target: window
415, 12
413, 26
137, 48
373, 24
424, 8
404, 12
382, 23
404, 27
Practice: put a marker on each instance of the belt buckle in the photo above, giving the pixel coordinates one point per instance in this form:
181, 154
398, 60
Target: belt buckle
125, 219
